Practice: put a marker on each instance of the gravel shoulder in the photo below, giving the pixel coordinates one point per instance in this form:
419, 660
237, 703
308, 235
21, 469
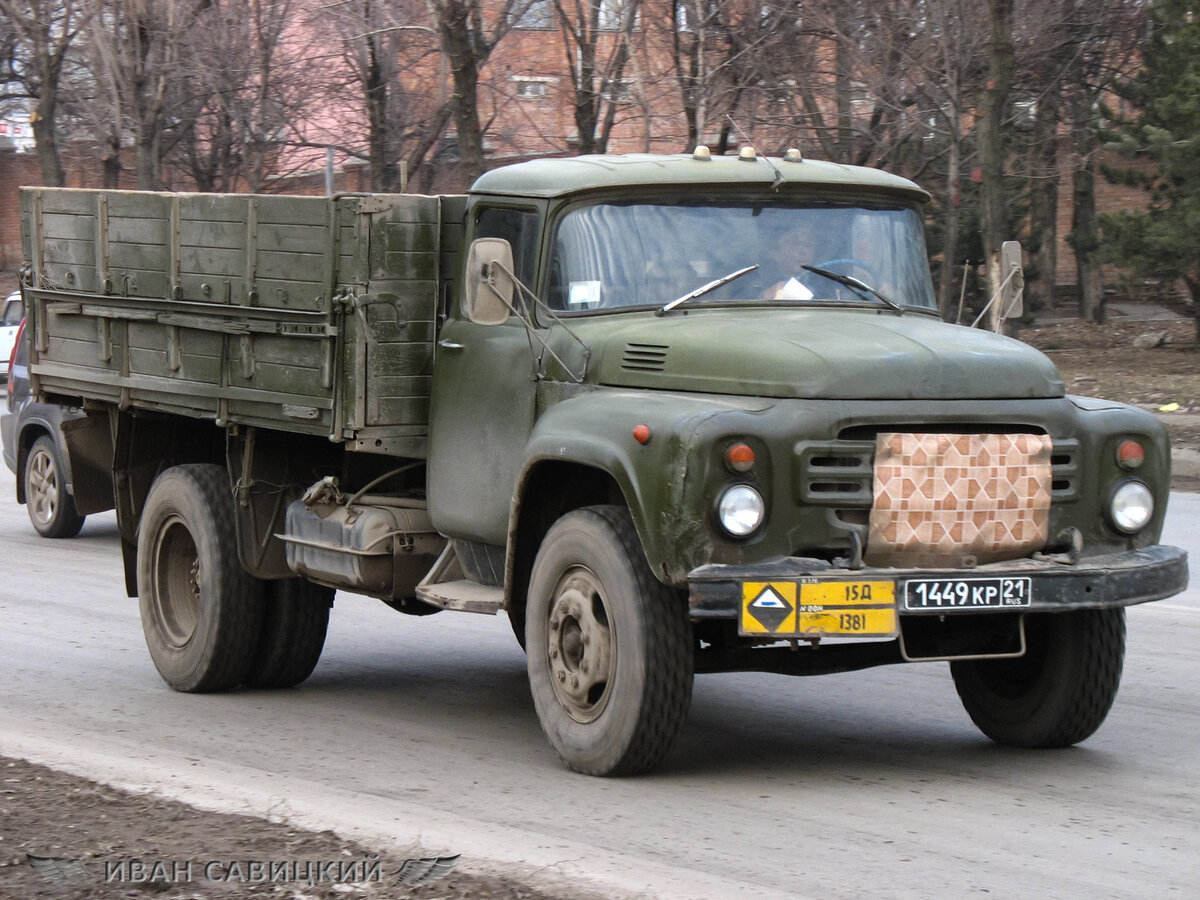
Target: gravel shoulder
68, 838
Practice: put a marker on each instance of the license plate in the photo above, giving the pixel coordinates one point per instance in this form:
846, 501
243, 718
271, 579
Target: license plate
798, 609
968, 593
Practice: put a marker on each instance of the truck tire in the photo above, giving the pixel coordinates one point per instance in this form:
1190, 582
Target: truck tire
610, 648
1059, 692
201, 612
295, 619
50, 505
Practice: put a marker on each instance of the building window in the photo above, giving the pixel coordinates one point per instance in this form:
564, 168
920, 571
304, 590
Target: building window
613, 14
538, 14
532, 88
621, 92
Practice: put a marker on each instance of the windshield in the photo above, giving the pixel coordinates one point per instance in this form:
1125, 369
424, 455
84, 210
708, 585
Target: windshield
611, 256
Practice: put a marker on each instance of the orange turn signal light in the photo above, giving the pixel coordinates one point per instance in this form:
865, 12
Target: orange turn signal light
739, 457
1130, 454
641, 434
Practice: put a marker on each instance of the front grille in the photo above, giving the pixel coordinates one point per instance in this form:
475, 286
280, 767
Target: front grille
835, 473
841, 473
1064, 471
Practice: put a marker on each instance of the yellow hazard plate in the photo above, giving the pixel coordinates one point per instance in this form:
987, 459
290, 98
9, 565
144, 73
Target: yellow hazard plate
807, 609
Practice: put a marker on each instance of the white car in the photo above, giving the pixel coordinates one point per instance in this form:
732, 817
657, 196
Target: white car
14, 311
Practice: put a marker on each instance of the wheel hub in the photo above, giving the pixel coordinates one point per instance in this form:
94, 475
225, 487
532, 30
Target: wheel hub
581, 646
42, 488
177, 583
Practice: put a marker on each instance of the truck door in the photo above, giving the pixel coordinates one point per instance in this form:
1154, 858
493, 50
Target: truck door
482, 404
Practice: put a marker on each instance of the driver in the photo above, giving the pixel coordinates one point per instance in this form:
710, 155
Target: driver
796, 247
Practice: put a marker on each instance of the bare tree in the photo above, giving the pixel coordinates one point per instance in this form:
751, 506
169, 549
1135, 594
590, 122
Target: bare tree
41, 35
743, 69
1103, 37
381, 42
994, 216
239, 88
947, 77
469, 31
597, 37
138, 49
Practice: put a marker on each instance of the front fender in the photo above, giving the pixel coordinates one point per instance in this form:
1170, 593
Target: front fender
666, 482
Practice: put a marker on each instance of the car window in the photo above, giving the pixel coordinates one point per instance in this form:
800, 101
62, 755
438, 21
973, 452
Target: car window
14, 311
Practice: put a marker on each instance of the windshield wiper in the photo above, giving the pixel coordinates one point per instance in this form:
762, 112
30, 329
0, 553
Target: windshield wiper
851, 282
704, 289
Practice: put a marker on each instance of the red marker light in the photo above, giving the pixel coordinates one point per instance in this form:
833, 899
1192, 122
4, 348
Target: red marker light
1130, 454
740, 457
641, 434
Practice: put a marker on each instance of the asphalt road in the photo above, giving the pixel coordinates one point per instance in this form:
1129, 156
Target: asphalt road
421, 731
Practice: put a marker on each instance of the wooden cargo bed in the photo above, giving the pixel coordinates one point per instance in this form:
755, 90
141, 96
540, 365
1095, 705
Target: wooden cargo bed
307, 314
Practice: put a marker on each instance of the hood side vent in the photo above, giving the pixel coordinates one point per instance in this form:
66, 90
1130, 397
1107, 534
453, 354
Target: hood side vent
644, 357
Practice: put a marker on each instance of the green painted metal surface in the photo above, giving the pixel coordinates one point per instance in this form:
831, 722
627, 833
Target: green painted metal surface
549, 178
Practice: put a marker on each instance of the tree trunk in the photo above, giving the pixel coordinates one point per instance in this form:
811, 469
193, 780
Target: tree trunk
149, 160
991, 150
948, 280
466, 119
1193, 286
1043, 205
1085, 240
843, 72
1085, 231
46, 141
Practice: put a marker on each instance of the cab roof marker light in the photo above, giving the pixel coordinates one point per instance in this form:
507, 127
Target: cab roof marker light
702, 153
747, 154
793, 155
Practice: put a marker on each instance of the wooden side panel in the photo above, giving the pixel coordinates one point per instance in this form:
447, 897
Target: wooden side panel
234, 307
394, 353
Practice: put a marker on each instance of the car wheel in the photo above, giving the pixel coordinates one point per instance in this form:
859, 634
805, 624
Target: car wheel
50, 505
609, 647
201, 612
1059, 692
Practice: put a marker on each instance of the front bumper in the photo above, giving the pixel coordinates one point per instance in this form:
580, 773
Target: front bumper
1116, 579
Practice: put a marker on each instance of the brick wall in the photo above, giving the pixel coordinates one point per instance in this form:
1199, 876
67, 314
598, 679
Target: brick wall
15, 169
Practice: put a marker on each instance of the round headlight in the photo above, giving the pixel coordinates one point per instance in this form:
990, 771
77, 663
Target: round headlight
1131, 507
741, 510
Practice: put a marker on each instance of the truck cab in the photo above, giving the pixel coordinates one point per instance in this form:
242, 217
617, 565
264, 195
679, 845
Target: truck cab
736, 366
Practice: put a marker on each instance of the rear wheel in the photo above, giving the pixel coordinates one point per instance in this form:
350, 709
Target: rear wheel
609, 647
50, 505
1059, 692
295, 620
201, 612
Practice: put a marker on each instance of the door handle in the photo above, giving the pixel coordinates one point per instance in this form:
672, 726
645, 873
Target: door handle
449, 345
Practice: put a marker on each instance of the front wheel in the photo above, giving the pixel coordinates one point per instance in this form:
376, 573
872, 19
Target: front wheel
50, 505
1059, 692
610, 648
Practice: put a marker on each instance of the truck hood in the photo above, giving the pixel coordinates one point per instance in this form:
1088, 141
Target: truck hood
814, 353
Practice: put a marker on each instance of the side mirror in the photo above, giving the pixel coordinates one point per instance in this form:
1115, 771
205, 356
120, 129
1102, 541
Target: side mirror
1012, 302
489, 289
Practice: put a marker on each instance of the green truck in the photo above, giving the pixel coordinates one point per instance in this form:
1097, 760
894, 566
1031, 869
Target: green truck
669, 414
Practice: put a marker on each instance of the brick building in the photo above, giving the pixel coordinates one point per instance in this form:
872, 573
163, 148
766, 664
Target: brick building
526, 101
